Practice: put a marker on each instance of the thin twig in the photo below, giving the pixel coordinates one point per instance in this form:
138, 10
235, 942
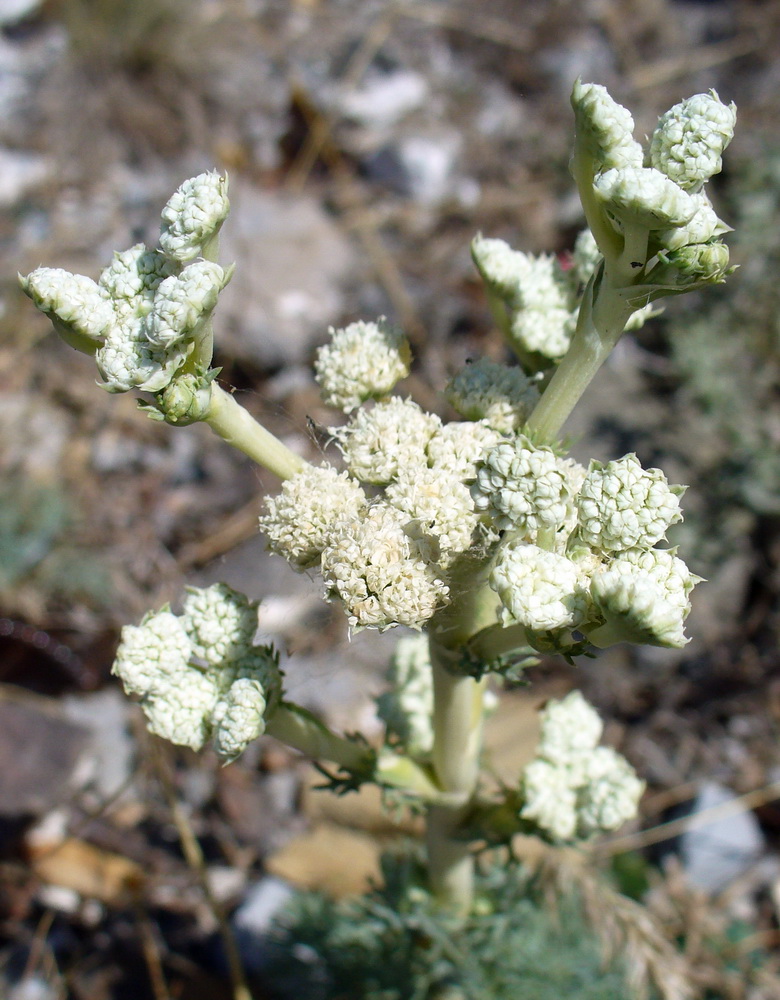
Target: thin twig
675, 827
196, 861
151, 952
693, 61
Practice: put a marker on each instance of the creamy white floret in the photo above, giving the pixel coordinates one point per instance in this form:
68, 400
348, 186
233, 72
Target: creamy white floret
586, 256
487, 390
604, 127
220, 621
182, 303
609, 794
392, 435
193, 216
442, 505
520, 486
570, 728
540, 590
574, 789
298, 520
149, 653
622, 506
74, 301
127, 360
459, 446
502, 269
690, 137
239, 718
643, 196
362, 361
383, 570
644, 597
181, 711
549, 800
134, 275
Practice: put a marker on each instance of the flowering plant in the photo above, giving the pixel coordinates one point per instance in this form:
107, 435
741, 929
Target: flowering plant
480, 534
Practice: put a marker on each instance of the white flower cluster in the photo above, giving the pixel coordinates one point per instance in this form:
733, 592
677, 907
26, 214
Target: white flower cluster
575, 789
487, 390
579, 551
387, 558
146, 312
539, 297
656, 201
198, 674
362, 361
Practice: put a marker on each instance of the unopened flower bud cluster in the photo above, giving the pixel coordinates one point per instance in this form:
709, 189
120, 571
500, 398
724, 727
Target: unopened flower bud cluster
198, 675
145, 314
574, 788
579, 546
655, 199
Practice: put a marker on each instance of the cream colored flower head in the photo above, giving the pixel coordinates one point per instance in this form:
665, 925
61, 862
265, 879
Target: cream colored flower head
623, 506
540, 590
191, 671
689, 140
383, 569
524, 487
362, 361
193, 216
382, 440
299, 519
644, 598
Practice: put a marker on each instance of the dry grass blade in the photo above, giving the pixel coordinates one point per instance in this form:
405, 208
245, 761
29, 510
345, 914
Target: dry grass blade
624, 927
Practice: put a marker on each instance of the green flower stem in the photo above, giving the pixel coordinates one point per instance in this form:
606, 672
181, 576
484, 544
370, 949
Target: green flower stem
303, 731
233, 424
599, 326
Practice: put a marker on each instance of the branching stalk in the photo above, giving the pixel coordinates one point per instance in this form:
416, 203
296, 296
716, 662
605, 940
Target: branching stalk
233, 424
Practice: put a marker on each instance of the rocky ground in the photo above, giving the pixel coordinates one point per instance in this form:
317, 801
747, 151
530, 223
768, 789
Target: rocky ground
366, 142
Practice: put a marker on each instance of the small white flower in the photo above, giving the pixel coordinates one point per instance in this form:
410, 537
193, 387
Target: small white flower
459, 446
72, 301
550, 801
221, 623
539, 589
604, 127
299, 518
570, 728
704, 226
128, 361
362, 361
441, 504
378, 442
193, 217
151, 652
643, 196
240, 718
181, 711
689, 139
182, 303
134, 275
502, 269
622, 506
383, 570
486, 390
520, 486
609, 794
644, 597
543, 331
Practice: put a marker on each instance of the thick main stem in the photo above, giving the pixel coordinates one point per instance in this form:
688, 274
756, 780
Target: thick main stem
457, 726
233, 424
